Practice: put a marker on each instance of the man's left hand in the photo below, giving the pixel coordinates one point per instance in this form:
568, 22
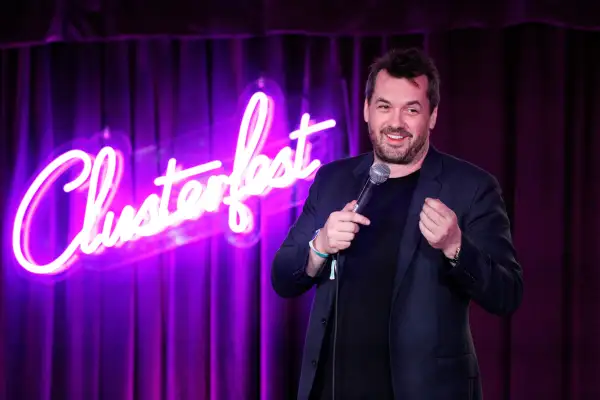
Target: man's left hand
439, 225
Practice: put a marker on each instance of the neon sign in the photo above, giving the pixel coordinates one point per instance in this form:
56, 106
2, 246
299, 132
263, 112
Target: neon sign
253, 175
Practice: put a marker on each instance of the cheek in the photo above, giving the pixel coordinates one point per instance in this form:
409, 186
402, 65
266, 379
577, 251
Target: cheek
374, 117
419, 125
375, 122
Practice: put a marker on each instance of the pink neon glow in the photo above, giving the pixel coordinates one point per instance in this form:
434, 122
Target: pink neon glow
253, 174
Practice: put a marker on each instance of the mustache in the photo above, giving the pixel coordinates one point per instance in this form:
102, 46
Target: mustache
394, 130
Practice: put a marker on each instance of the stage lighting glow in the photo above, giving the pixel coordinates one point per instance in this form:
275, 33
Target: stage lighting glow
102, 228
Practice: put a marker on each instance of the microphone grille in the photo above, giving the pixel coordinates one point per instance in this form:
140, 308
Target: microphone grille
379, 173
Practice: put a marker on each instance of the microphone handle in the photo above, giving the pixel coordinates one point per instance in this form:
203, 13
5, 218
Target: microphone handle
364, 196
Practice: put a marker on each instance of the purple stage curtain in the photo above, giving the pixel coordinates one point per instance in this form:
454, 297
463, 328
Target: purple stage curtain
201, 321
35, 21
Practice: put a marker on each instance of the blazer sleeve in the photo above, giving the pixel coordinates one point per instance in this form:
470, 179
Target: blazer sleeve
288, 271
487, 267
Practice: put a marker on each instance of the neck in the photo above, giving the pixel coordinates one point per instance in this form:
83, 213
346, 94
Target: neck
400, 170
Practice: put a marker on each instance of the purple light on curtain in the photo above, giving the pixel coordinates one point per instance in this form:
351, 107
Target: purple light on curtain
164, 220
201, 321
182, 323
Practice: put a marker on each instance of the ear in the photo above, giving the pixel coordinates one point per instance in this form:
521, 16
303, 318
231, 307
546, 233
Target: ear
366, 111
433, 118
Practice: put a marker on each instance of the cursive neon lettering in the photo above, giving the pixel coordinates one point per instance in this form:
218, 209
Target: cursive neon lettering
253, 174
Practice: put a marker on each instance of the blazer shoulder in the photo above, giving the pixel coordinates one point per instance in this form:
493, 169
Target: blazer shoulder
458, 169
343, 166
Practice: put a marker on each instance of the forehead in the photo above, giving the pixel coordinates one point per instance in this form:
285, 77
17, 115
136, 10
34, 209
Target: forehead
400, 90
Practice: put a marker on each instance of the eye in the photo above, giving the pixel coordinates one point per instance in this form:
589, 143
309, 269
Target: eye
412, 110
383, 107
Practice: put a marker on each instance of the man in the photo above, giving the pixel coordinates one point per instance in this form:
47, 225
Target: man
432, 238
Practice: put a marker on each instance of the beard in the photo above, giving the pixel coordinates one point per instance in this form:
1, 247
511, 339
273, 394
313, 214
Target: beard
406, 153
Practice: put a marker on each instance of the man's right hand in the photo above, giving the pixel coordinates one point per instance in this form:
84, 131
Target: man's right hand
339, 230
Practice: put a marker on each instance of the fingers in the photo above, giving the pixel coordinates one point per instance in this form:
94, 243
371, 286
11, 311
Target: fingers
343, 237
432, 214
432, 217
347, 227
429, 218
429, 235
342, 234
438, 224
343, 245
341, 228
346, 214
349, 216
340, 241
349, 206
436, 207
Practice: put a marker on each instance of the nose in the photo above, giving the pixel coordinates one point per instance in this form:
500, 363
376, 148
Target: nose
397, 118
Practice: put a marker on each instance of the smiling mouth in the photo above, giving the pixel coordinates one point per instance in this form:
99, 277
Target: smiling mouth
395, 138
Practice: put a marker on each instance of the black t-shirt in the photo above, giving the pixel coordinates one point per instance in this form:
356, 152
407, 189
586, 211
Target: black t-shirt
366, 285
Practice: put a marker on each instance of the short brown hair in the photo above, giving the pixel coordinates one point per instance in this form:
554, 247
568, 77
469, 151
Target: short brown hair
406, 63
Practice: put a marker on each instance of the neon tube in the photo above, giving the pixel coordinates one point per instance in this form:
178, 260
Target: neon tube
253, 174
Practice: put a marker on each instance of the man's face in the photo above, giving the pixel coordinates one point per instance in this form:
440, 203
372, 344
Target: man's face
399, 119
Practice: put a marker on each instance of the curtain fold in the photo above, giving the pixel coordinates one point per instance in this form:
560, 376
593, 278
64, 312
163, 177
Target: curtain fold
201, 321
34, 22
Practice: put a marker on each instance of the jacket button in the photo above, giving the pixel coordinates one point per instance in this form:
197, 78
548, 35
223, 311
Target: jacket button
324, 321
314, 363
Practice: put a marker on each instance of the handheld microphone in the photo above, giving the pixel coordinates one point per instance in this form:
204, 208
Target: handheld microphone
378, 174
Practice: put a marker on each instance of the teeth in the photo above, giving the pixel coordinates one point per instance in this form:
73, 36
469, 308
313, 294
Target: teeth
396, 136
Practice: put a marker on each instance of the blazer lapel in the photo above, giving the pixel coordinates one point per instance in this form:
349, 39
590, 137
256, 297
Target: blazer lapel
427, 186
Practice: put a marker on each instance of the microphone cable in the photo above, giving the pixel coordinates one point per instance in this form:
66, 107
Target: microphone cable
336, 266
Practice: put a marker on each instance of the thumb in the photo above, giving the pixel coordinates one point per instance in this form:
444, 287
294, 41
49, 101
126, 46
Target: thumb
349, 206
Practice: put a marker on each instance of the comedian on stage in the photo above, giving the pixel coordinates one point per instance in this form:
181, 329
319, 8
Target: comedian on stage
394, 276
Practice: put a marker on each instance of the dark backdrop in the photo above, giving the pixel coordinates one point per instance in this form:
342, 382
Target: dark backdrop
202, 320
39, 21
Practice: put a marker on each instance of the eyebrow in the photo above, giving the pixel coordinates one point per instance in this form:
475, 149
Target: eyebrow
409, 103
382, 100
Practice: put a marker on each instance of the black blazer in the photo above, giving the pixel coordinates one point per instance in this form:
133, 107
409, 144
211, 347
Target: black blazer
432, 351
